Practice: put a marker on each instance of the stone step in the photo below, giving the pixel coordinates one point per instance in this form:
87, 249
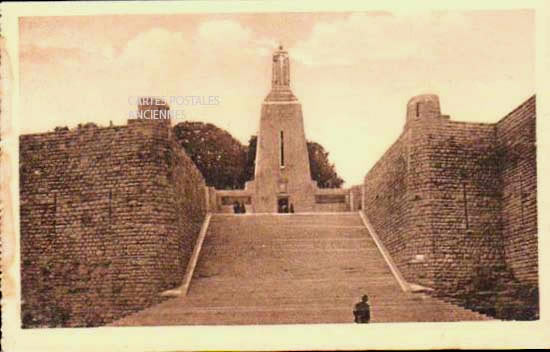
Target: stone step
292, 269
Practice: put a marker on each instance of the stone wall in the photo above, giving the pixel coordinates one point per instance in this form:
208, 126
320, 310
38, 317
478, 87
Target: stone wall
455, 203
356, 196
463, 191
387, 205
108, 220
517, 142
332, 200
222, 201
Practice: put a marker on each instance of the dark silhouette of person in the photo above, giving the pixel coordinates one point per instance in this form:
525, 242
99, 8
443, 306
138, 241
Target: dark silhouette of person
291, 208
362, 311
243, 208
285, 208
236, 207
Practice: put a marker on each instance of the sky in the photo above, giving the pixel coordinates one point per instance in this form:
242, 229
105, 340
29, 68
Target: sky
352, 72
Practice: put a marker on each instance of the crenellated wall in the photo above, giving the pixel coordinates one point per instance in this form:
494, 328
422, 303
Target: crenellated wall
455, 202
109, 217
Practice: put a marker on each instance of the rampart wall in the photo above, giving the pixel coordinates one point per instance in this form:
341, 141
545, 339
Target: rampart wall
109, 217
455, 202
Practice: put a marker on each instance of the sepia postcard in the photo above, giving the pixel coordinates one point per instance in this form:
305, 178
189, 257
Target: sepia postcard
274, 175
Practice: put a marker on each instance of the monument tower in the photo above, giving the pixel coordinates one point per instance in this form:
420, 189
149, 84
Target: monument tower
282, 176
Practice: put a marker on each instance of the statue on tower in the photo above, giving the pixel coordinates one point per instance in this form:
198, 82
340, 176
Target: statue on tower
281, 69
280, 82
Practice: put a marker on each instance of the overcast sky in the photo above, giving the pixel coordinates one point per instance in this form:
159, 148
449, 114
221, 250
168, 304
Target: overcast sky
352, 72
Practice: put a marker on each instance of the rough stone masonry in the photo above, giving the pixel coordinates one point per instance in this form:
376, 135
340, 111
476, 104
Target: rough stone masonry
456, 205
109, 217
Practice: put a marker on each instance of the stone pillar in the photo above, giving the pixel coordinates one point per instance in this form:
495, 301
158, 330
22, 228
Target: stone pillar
282, 160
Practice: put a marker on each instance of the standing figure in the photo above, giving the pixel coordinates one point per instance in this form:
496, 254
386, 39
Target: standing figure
362, 311
243, 208
236, 207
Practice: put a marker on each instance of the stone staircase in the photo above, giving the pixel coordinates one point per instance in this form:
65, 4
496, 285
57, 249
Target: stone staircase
292, 269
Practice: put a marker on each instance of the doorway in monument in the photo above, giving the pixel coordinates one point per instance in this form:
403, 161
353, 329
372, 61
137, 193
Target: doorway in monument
282, 205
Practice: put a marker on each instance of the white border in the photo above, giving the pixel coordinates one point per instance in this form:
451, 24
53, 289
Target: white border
332, 336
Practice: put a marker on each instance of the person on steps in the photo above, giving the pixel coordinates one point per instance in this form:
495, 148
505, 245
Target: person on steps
362, 311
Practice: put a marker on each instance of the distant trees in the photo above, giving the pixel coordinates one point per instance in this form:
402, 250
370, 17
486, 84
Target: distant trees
227, 164
322, 170
220, 158
250, 158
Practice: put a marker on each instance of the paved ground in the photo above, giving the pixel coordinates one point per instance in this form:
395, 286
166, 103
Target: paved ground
281, 269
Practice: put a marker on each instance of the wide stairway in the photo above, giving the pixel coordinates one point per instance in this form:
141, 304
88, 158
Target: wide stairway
292, 269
